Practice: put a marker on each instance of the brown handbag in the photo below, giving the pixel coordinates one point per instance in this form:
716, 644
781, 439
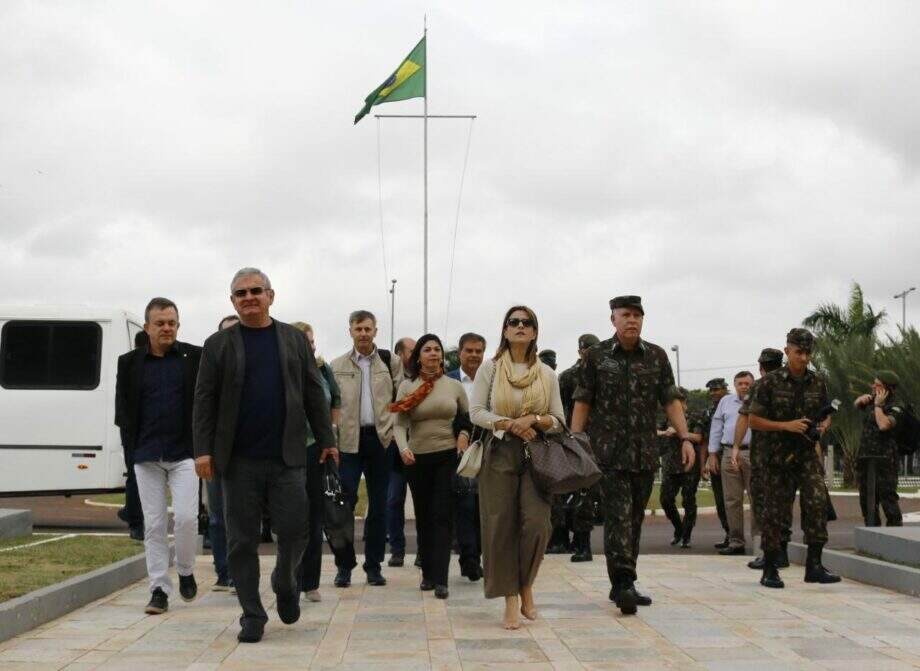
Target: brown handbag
561, 463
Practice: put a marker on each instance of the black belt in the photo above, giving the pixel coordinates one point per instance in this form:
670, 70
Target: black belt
743, 447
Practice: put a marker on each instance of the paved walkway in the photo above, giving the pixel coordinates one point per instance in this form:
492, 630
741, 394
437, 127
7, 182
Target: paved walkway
709, 613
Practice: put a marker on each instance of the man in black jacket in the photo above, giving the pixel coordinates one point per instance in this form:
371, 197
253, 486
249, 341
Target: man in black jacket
154, 394
258, 386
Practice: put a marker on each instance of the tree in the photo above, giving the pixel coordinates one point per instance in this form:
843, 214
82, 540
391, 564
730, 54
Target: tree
835, 323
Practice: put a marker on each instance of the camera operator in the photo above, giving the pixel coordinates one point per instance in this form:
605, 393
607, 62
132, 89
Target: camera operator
883, 410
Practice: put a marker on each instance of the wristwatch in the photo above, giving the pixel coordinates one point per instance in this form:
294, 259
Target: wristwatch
539, 419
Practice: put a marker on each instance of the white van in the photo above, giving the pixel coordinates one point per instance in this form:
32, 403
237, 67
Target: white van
57, 399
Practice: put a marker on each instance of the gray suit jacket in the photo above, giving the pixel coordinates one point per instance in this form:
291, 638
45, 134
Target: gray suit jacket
220, 383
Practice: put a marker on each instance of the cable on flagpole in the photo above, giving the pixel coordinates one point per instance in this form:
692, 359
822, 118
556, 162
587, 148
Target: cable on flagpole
453, 247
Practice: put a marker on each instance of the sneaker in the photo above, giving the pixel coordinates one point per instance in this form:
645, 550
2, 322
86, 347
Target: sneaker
250, 632
159, 603
343, 578
223, 585
188, 588
313, 595
396, 560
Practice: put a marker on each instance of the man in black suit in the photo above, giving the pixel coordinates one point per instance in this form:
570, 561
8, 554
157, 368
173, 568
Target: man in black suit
258, 386
131, 513
154, 394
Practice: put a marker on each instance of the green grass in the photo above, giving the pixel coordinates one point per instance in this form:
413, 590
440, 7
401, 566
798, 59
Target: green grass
29, 569
118, 498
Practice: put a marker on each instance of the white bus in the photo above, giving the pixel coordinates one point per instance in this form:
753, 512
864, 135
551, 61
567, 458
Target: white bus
57, 399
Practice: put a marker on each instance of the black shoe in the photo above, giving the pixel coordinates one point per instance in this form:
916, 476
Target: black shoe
557, 549
814, 569
642, 599
375, 577
441, 592
188, 588
770, 577
676, 539
685, 543
471, 569
426, 585
756, 564
723, 544
737, 550
222, 585
782, 560
343, 578
137, 533
582, 546
122, 514
159, 603
250, 632
396, 560
624, 596
267, 534
288, 606
418, 561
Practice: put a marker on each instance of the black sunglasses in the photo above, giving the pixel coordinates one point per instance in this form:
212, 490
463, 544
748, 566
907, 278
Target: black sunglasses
514, 322
255, 291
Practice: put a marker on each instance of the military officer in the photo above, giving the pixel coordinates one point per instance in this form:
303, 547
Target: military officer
784, 406
624, 380
675, 479
718, 388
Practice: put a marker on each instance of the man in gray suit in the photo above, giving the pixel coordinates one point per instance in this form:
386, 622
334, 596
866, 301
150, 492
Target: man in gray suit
258, 386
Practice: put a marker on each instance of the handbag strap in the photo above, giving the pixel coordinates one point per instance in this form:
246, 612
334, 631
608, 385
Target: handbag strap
481, 430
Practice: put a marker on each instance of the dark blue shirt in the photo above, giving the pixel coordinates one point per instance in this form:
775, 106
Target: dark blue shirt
160, 415
260, 420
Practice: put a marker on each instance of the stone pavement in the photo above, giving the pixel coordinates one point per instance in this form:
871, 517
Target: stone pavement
709, 613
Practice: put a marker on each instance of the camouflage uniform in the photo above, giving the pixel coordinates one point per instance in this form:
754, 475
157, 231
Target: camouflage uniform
624, 389
789, 460
880, 446
580, 506
675, 479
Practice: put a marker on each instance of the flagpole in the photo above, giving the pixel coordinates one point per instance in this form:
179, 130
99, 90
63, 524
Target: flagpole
425, 143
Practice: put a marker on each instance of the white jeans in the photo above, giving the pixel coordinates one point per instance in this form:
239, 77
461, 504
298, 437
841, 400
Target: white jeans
153, 479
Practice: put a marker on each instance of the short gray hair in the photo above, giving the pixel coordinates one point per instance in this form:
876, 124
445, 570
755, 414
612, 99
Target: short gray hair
245, 272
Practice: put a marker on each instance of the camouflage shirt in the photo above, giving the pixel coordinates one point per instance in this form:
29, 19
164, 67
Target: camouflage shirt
624, 389
877, 443
746, 410
669, 448
568, 382
781, 397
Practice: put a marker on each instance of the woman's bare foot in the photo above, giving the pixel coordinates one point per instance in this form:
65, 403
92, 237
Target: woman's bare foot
511, 620
528, 608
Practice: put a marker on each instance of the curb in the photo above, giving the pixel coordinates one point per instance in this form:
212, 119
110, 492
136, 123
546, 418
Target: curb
898, 578
30, 610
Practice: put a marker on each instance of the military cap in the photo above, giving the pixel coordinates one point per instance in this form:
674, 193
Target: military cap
548, 357
587, 340
717, 383
801, 338
888, 378
627, 302
770, 355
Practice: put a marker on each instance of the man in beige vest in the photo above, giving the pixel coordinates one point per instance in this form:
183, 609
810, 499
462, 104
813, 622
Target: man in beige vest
368, 379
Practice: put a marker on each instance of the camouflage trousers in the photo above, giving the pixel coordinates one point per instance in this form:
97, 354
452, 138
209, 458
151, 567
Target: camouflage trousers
785, 470
686, 484
886, 490
624, 495
757, 493
574, 512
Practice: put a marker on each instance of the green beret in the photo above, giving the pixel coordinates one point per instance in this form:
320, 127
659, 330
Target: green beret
801, 338
627, 302
770, 355
587, 340
888, 378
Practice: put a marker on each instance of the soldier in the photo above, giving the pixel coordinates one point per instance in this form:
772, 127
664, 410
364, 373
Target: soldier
718, 388
770, 359
883, 410
783, 408
574, 511
674, 478
548, 356
623, 382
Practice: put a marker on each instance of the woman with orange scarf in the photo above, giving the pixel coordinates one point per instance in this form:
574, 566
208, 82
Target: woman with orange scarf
432, 425
514, 396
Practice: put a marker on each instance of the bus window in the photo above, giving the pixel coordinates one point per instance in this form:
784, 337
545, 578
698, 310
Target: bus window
50, 355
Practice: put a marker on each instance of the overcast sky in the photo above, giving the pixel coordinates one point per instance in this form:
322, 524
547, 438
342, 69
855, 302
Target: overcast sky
735, 165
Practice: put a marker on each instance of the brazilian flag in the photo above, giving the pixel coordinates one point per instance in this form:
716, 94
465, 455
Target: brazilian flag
407, 82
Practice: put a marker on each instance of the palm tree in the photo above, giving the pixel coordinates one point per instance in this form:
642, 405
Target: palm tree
835, 323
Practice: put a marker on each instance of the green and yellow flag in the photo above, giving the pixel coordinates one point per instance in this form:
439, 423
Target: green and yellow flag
407, 82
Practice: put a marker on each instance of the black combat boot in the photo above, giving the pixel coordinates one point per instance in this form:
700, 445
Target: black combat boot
770, 577
756, 564
814, 569
623, 594
782, 559
558, 542
582, 546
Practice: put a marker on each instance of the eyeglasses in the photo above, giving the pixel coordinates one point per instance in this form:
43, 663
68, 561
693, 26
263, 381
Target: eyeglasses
254, 291
514, 322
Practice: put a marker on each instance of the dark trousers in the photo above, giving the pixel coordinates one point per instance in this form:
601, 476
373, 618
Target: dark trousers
396, 502
431, 482
371, 460
309, 570
134, 515
624, 495
466, 527
248, 485
715, 481
217, 530
686, 484
886, 490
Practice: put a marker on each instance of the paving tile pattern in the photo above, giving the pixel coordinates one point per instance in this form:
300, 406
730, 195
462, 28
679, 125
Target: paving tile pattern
709, 614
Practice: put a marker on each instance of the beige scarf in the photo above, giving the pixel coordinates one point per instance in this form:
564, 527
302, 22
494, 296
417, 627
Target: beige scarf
533, 382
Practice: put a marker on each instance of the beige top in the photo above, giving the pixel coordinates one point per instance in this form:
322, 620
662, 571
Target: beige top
481, 404
431, 423
353, 386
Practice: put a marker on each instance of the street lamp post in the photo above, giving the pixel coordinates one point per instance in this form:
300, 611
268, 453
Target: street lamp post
392, 311
903, 297
676, 350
